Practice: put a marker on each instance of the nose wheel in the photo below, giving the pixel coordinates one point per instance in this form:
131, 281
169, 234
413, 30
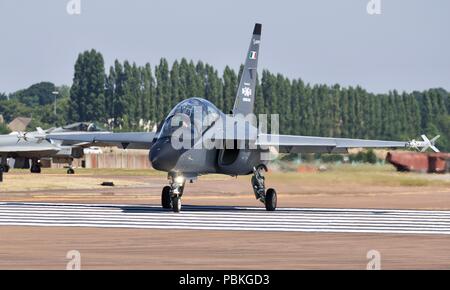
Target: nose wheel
176, 203
171, 194
269, 197
166, 201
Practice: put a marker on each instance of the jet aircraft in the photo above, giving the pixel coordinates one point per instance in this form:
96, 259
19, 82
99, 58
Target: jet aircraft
34, 146
239, 146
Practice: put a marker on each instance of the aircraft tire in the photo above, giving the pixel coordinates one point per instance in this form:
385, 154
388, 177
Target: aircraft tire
176, 203
165, 198
271, 200
35, 169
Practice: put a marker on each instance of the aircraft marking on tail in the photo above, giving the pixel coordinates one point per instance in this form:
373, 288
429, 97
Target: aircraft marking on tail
245, 97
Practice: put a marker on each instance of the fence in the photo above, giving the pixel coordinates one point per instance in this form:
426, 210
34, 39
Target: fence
112, 158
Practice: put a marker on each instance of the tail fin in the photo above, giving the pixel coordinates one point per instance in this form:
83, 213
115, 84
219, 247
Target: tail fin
425, 144
430, 143
245, 97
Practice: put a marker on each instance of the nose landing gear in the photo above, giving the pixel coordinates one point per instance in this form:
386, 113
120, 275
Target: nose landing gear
171, 195
269, 197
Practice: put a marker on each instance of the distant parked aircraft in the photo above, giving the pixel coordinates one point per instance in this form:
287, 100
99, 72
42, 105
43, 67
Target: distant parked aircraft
34, 146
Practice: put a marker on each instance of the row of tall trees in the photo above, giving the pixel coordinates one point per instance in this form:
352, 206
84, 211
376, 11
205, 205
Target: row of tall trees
131, 97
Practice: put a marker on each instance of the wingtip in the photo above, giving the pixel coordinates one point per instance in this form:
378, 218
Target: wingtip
257, 29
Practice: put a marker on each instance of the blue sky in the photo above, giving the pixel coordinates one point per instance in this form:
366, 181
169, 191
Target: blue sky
407, 47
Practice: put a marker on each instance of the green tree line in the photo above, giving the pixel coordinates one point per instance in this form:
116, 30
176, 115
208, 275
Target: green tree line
128, 96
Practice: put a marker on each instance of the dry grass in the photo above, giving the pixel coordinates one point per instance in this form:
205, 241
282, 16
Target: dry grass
358, 176
25, 181
361, 175
100, 171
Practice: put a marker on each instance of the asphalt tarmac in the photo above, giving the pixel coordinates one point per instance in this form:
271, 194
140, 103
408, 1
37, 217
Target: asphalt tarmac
320, 224
226, 218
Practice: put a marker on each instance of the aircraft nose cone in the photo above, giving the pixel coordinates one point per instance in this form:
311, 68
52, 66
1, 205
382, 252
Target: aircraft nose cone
163, 156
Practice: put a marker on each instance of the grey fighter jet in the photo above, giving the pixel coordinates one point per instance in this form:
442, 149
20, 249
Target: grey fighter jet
187, 146
34, 146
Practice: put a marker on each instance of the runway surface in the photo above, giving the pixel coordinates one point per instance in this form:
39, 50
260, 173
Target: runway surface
327, 220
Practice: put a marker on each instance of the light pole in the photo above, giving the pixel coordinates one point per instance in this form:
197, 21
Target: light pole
55, 93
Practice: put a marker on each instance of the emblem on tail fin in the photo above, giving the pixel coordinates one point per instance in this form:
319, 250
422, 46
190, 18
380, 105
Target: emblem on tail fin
247, 91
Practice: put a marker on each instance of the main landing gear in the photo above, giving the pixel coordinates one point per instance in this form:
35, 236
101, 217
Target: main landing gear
269, 197
4, 168
70, 170
35, 166
171, 194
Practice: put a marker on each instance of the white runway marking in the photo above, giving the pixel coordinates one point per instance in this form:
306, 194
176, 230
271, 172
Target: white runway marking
226, 218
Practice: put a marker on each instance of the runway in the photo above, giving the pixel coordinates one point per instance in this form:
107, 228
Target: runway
228, 218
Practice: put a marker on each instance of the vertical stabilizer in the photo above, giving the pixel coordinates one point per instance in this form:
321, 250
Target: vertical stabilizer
245, 97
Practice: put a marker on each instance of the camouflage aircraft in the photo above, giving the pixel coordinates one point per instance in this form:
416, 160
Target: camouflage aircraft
239, 146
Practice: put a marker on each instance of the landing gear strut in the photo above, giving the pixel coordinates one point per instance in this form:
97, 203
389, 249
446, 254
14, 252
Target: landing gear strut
269, 197
171, 195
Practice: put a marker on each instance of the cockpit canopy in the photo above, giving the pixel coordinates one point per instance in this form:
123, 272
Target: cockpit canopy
194, 113
83, 127
78, 127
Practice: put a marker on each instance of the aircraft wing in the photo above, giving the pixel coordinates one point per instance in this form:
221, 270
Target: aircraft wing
28, 148
310, 144
132, 140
